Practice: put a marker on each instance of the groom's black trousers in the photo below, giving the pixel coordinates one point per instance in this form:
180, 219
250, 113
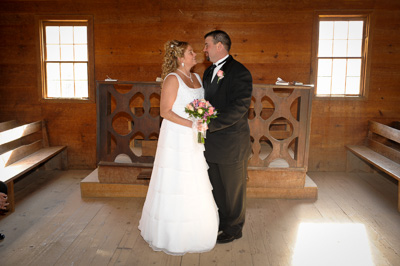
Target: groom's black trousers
229, 190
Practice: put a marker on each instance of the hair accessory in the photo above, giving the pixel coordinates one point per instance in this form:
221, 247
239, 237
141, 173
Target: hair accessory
172, 45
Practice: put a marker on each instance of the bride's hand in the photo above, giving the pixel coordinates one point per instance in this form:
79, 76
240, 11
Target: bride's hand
201, 126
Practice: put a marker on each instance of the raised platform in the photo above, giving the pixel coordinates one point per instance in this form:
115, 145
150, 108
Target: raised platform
279, 121
92, 188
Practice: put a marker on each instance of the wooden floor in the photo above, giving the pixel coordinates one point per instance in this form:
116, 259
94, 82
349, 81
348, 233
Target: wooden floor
353, 222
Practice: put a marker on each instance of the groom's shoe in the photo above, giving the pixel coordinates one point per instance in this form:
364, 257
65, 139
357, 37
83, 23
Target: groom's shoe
227, 238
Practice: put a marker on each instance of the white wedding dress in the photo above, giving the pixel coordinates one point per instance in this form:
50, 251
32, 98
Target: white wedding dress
179, 214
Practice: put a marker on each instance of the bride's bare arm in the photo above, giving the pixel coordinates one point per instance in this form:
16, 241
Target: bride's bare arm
168, 96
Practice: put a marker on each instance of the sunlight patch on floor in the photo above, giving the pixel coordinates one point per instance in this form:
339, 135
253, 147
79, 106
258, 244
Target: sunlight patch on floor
332, 244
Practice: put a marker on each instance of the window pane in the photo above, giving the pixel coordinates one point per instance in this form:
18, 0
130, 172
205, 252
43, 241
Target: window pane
338, 76
80, 52
340, 30
324, 67
339, 48
67, 52
80, 35
354, 67
325, 48
53, 71
67, 89
354, 48
52, 35
53, 89
326, 30
67, 71
53, 52
356, 30
324, 86
66, 35
353, 85
81, 72
81, 89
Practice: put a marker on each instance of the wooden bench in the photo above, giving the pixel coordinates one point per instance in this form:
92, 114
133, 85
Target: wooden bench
382, 150
24, 148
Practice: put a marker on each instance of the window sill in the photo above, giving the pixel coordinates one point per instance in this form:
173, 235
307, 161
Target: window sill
67, 100
339, 98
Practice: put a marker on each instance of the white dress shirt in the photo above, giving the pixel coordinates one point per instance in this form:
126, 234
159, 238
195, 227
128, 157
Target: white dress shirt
218, 67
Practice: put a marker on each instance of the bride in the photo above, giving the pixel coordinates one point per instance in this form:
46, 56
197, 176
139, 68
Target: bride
179, 214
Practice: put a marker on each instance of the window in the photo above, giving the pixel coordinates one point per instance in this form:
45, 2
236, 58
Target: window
66, 53
340, 55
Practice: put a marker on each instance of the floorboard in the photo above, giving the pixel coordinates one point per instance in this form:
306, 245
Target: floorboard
53, 225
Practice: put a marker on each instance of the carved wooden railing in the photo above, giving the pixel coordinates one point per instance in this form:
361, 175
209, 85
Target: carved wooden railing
125, 113
279, 119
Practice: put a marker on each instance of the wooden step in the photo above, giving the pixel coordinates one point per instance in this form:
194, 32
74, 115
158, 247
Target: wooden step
309, 191
123, 173
92, 188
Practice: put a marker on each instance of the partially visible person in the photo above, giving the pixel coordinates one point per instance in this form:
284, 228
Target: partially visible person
3, 201
179, 213
228, 87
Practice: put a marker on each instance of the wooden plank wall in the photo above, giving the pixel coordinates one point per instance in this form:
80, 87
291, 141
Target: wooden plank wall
272, 38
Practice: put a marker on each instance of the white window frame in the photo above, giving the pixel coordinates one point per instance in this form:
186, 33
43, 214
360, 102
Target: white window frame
365, 61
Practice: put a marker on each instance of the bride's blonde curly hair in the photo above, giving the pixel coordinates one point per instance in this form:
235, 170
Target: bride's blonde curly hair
173, 50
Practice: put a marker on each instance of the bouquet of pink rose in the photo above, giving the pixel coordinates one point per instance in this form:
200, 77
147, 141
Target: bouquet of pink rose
201, 110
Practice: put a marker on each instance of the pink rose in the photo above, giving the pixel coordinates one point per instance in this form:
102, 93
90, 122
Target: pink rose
220, 75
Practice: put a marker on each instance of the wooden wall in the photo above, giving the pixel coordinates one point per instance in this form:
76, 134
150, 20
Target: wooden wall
272, 38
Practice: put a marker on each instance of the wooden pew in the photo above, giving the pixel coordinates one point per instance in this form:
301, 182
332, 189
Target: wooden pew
24, 148
382, 150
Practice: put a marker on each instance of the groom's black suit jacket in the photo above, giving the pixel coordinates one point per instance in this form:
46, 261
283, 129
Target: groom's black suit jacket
228, 135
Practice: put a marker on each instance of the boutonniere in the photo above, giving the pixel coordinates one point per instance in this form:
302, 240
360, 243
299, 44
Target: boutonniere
220, 75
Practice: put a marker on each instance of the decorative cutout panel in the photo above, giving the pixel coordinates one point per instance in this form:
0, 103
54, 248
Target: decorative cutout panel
126, 111
280, 122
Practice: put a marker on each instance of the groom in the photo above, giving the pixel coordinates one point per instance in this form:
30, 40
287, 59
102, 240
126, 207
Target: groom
228, 87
